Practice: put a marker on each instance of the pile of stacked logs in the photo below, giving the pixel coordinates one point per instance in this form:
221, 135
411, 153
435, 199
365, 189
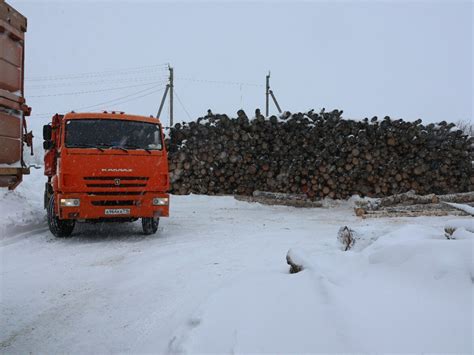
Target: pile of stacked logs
319, 155
409, 204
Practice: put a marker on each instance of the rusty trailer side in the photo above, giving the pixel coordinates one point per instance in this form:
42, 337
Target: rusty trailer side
13, 108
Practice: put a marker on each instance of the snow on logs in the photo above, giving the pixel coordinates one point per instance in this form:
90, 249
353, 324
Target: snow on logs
319, 155
409, 204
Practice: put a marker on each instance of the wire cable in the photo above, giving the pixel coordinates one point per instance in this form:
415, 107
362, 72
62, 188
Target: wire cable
127, 71
100, 82
219, 82
182, 105
109, 101
100, 90
116, 99
136, 98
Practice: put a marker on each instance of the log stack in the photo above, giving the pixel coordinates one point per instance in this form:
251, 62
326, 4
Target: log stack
319, 155
409, 204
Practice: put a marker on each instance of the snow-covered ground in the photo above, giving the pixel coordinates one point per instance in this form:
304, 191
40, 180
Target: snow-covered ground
215, 280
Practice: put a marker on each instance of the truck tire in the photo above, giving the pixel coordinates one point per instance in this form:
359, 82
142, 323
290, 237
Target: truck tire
45, 199
48, 191
150, 225
59, 228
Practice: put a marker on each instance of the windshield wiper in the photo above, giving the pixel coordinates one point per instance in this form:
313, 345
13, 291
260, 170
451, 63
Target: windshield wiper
137, 147
86, 146
118, 147
109, 146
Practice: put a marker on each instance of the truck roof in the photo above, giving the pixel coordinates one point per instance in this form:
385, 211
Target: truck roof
115, 115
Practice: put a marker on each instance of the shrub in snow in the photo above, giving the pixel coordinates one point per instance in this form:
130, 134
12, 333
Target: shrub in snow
346, 237
295, 261
464, 226
448, 232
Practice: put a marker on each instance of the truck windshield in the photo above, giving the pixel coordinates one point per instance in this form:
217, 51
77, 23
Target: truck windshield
105, 133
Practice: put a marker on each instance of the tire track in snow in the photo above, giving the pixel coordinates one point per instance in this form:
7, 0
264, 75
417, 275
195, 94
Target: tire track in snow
23, 236
182, 332
213, 283
324, 286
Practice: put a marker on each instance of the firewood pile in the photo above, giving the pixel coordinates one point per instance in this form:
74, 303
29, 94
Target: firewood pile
319, 155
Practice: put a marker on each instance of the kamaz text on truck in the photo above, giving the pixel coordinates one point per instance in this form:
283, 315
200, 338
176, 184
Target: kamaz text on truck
105, 167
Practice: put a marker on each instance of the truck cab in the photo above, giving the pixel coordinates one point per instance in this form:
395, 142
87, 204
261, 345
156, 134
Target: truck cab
105, 167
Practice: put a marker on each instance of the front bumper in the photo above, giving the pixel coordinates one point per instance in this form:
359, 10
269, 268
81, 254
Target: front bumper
111, 206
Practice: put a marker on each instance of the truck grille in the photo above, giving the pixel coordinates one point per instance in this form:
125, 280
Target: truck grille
115, 193
115, 181
114, 203
111, 191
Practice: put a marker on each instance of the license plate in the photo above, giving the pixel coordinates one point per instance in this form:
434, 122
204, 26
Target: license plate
116, 211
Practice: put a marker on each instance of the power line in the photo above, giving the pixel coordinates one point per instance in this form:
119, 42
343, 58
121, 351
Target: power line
111, 101
100, 90
182, 105
134, 98
83, 76
220, 82
101, 82
116, 99
127, 71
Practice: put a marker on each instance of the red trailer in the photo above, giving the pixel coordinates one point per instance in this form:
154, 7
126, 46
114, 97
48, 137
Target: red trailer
13, 109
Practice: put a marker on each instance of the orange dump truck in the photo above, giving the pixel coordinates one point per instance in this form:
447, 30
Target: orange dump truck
13, 133
105, 167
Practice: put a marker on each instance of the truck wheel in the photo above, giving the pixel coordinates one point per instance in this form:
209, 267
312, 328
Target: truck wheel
45, 199
47, 194
59, 228
150, 225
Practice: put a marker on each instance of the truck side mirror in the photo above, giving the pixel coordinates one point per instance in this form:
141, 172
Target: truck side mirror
47, 145
47, 132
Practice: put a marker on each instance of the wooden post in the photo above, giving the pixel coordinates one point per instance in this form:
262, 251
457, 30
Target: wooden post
163, 101
275, 101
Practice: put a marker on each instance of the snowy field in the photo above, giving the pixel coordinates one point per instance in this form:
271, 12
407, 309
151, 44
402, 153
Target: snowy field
215, 280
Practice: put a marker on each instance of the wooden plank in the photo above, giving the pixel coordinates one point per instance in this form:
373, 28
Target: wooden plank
10, 51
10, 76
11, 104
11, 150
11, 16
10, 126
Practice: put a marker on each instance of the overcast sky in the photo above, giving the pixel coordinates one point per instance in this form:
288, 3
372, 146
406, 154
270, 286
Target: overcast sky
404, 59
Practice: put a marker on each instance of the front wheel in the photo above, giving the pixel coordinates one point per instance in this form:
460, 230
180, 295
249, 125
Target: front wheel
59, 228
150, 225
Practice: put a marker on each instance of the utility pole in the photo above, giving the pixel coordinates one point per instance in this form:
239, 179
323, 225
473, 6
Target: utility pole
171, 86
267, 92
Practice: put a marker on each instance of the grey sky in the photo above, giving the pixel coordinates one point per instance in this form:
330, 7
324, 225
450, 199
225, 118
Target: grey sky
404, 59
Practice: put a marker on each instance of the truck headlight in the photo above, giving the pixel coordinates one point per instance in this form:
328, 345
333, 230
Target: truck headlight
70, 202
160, 201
